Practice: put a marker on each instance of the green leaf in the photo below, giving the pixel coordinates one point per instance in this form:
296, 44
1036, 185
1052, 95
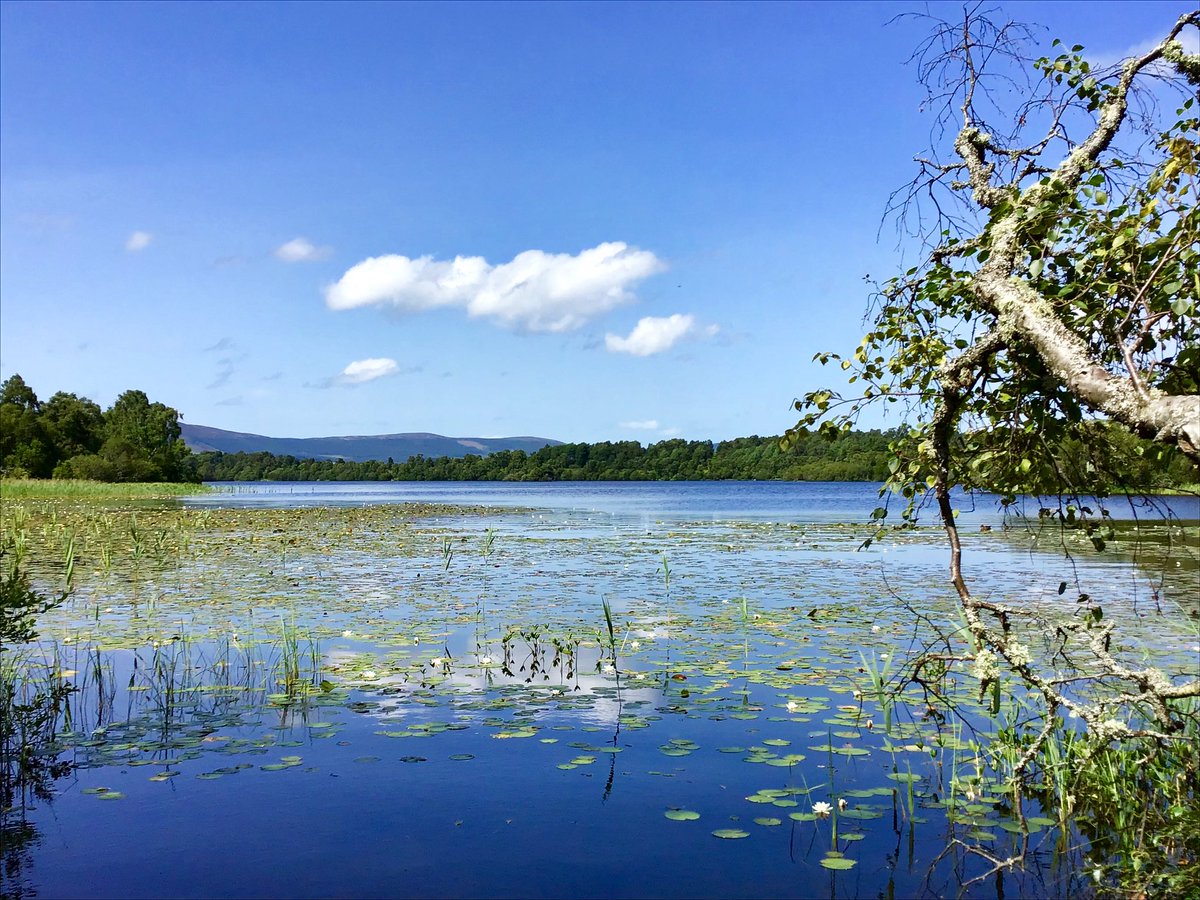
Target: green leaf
838, 863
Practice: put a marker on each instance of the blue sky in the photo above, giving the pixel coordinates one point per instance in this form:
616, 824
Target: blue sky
580, 221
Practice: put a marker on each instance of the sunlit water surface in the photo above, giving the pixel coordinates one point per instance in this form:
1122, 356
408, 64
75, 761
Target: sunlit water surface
301, 690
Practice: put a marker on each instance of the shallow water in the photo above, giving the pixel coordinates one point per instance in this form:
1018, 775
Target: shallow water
441, 711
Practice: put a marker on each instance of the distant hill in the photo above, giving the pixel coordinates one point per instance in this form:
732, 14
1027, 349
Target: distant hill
358, 448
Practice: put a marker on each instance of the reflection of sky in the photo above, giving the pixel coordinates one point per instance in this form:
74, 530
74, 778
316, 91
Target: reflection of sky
592, 698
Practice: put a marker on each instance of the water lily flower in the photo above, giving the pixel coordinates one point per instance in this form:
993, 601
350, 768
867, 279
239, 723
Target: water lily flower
874, 629
436, 661
841, 802
368, 674
792, 706
636, 644
609, 669
485, 660
821, 808
347, 633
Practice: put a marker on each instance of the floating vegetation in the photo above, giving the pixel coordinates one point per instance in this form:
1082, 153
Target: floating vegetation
651, 667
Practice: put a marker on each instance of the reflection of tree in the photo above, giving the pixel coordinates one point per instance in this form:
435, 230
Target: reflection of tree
16, 858
20, 786
29, 718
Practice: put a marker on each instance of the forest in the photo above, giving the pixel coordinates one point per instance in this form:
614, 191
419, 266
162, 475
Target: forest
69, 436
857, 456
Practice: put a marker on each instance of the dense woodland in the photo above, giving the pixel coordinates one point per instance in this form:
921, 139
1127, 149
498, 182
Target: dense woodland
858, 456
69, 436
135, 440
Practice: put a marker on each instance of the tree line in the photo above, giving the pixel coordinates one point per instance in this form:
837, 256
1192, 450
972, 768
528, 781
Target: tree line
69, 436
858, 456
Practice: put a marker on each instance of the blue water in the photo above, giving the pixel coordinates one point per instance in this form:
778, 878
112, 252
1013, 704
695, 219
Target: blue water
376, 808
699, 501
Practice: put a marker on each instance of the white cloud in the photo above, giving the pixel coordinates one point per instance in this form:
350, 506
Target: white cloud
364, 370
535, 291
655, 334
138, 241
641, 425
301, 250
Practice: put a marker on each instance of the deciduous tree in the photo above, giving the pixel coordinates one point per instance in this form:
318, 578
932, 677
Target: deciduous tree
1054, 307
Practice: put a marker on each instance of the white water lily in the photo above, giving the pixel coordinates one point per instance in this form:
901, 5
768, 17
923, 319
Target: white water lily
436, 661
636, 644
368, 674
874, 629
792, 706
347, 633
485, 660
609, 669
821, 808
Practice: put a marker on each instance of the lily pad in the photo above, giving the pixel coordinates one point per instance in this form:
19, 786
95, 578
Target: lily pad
838, 863
681, 815
731, 834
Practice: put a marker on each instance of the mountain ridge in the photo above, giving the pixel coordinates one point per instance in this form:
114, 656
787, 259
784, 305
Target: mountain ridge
398, 446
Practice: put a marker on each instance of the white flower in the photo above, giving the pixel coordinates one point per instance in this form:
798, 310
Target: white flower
874, 629
369, 674
436, 661
635, 644
347, 633
883, 656
841, 803
821, 808
609, 669
792, 706
485, 660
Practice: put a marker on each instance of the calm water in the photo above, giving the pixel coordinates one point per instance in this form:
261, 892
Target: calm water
468, 731
700, 501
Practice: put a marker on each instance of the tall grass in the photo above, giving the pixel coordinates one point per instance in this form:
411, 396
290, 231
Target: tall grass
66, 489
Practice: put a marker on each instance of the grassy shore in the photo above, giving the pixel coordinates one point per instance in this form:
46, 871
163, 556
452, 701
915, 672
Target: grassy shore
67, 489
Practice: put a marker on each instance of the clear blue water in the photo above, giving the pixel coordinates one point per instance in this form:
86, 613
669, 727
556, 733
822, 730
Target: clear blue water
443, 764
701, 501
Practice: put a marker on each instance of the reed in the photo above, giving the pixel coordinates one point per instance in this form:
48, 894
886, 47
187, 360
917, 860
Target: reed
68, 489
